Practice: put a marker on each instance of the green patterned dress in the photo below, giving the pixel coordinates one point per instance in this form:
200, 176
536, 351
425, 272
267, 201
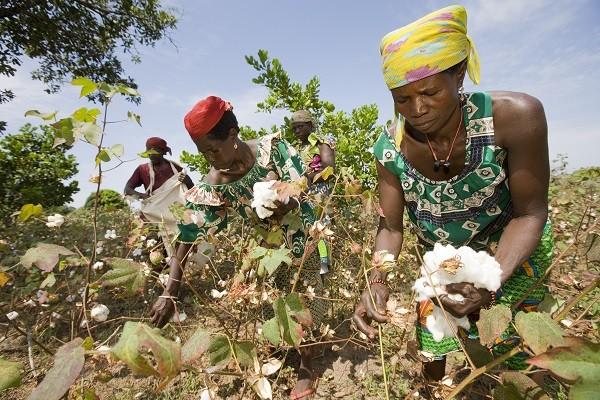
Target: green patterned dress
470, 209
208, 207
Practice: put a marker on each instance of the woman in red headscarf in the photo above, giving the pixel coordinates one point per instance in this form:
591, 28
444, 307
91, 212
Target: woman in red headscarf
229, 188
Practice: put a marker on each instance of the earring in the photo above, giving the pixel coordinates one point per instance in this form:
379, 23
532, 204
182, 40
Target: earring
235, 146
461, 94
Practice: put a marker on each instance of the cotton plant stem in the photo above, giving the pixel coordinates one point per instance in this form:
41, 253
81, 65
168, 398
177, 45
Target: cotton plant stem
577, 298
387, 395
551, 267
30, 338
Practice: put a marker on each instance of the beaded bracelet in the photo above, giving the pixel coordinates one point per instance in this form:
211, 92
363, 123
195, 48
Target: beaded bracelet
377, 281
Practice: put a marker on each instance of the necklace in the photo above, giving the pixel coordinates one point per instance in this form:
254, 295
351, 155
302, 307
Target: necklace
445, 162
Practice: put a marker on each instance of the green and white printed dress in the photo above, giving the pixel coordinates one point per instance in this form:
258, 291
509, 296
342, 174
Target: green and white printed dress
470, 209
208, 207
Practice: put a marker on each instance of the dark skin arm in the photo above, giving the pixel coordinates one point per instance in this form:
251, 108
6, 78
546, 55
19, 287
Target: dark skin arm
327, 155
389, 238
164, 307
520, 128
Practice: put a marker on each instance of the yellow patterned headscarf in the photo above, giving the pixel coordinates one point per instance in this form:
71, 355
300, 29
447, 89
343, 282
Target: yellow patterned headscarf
427, 46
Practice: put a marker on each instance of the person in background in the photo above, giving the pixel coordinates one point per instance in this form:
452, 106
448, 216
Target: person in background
317, 152
165, 183
471, 169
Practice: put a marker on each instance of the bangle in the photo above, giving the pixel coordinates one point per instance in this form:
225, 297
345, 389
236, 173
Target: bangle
162, 296
372, 281
173, 279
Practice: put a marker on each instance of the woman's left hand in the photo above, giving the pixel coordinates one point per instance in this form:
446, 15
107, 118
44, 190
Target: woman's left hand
474, 299
281, 208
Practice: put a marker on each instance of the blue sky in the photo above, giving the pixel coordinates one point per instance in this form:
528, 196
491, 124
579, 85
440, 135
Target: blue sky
547, 48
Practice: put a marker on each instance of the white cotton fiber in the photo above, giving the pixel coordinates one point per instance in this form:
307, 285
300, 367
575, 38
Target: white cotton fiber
445, 265
264, 197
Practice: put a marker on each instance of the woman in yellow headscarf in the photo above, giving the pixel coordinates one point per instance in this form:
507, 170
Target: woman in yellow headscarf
470, 169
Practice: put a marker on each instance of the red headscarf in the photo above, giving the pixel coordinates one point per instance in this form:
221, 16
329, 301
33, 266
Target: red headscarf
205, 115
158, 144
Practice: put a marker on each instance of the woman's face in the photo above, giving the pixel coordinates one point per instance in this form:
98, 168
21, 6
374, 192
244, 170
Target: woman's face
220, 154
427, 104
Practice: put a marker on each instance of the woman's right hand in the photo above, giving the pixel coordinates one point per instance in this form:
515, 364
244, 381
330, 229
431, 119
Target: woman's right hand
365, 311
162, 310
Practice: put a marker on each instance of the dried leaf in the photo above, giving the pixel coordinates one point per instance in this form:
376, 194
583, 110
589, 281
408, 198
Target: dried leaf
44, 256
270, 367
539, 331
579, 361
451, 265
4, 278
492, 323
68, 363
262, 387
592, 247
137, 336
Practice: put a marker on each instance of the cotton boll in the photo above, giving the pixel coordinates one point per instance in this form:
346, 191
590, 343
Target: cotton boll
425, 291
438, 326
99, 313
263, 197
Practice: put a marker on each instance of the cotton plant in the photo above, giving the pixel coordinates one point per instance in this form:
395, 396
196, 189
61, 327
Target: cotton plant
445, 265
265, 195
110, 234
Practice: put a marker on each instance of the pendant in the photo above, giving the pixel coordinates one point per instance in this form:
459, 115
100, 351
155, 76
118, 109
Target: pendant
436, 165
446, 164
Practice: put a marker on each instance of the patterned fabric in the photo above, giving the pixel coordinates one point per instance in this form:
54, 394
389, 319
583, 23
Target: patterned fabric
470, 209
208, 206
427, 46
311, 156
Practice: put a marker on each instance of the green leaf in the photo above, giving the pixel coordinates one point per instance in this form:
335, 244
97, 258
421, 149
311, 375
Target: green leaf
325, 174
274, 258
36, 113
293, 221
195, 347
134, 117
148, 153
275, 237
84, 114
518, 386
87, 85
138, 336
49, 281
258, 252
292, 331
245, 352
117, 150
102, 156
64, 132
88, 343
271, 331
68, 363
125, 273
298, 310
492, 323
539, 331
11, 373
29, 211
219, 351
44, 256
550, 304
87, 130
126, 90
584, 391
579, 361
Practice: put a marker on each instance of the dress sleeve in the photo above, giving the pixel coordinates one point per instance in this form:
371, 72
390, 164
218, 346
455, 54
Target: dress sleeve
204, 215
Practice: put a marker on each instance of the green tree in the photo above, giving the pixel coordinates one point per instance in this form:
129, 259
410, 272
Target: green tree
78, 38
33, 171
108, 199
355, 131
